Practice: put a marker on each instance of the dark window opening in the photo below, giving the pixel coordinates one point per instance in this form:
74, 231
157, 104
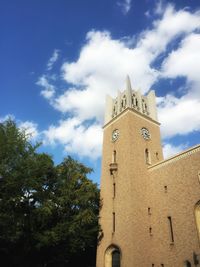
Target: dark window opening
113, 222
157, 155
114, 190
150, 230
147, 156
116, 258
171, 229
149, 211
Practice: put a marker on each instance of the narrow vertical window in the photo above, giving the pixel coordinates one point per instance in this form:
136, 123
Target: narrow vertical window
157, 155
136, 102
113, 222
149, 211
147, 156
150, 230
114, 190
116, 258
114, 157
162, 265
171, 229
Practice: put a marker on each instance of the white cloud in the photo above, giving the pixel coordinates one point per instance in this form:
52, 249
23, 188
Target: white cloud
49, 89
101, 69
53, 59
179, 116
76, 137
125, 6
185, 61
171, 25
104, 63
170, 150
159, 8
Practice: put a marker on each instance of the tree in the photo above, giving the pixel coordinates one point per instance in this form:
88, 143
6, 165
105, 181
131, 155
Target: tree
48, 214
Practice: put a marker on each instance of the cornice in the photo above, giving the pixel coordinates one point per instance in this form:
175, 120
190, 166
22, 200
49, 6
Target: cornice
139, 114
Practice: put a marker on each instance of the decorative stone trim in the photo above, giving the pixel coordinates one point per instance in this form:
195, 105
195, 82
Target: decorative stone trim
175, 158
133, 111
113, 167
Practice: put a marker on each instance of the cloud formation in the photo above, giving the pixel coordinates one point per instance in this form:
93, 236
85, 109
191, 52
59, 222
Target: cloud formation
48, 90
125, 6
102, 66
53, 59
76, 137
175, 111
170, 150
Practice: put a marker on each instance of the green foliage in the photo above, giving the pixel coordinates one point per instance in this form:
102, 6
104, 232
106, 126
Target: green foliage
48, 214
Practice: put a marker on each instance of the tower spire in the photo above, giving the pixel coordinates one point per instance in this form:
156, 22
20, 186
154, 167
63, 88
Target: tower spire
128, 83
129, 91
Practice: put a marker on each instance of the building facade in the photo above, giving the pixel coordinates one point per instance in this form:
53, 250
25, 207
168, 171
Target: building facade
150, 213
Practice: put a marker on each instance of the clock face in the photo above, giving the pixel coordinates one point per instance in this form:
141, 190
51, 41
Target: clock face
115, 135
145, 133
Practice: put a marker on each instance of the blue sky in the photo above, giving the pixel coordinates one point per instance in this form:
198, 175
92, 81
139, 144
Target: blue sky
59, 59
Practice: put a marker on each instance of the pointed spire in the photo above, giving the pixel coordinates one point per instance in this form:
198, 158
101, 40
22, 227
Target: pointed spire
128, 91
128, 83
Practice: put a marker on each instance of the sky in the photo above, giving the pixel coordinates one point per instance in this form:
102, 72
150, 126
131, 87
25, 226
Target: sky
59, 59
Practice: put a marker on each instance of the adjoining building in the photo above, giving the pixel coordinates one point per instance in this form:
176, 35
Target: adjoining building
150, 215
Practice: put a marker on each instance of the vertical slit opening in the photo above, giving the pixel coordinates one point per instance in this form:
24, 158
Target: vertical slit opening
114, 159
113, 222
150, 230
149, 210
171, 228
147, 156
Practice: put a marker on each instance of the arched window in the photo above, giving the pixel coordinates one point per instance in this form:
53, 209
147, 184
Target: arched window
134, 101
112, 257
197, 217
147, 156
115, 109
144, 107
123, 102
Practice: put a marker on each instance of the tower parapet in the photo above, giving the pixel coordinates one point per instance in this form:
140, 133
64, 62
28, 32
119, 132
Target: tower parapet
132, 99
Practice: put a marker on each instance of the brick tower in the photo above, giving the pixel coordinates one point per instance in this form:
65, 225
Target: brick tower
135, 216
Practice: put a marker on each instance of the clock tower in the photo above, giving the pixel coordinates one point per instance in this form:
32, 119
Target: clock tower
131, 144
